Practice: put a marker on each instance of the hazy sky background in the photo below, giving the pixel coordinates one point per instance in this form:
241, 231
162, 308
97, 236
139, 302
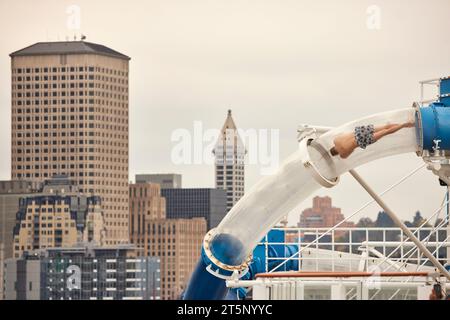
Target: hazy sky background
274, 63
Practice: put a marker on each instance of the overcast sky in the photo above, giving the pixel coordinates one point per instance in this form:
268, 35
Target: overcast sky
276, 64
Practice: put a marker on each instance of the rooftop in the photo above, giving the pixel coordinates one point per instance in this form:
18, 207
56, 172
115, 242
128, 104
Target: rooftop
68, 47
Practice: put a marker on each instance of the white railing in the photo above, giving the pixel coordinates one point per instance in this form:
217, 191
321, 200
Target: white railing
360, 286
358, 249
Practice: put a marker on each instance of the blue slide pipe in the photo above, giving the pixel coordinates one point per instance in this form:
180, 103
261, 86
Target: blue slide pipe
205, 286
435, 126
434, 121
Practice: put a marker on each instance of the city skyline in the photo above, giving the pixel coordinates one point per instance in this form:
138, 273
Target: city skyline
292, 77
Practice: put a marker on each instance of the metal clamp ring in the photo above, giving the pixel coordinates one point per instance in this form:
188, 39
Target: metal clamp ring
327, 183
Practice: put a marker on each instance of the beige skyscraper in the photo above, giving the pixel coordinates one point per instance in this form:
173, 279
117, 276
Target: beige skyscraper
177, 242
146, 203
70, 117
229, 163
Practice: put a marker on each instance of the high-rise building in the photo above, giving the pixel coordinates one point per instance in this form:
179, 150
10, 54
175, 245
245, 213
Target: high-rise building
58, 216
10, 194
178, 243
322, 215
229, 155
146, 203
83, 272
165, 180
70, 117
187, 203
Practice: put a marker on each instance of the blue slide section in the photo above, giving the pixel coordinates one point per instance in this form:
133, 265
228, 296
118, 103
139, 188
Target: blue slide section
436, 120
205, 286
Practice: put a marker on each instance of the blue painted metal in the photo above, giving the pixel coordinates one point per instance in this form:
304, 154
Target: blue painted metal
228, 249
444, 92
435, 120
435, 126
205, 286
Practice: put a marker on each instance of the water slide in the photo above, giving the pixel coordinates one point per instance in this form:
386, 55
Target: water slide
319, 161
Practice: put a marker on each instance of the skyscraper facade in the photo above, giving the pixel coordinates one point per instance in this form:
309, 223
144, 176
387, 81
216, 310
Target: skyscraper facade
70, 117
176, 241
188, 203
146, 203
58, 216
229, 155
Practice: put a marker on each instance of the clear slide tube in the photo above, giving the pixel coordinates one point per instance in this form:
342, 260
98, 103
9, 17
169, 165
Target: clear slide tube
333, 154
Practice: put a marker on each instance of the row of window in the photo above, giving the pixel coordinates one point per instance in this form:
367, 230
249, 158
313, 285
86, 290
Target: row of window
29, 79
75, 125
54, 94
56, 118
54, 78
72, 85
29, 102
54, 102
71, 110
37, 150
71, 69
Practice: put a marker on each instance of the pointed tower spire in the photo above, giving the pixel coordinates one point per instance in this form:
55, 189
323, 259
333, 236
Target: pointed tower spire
230, 155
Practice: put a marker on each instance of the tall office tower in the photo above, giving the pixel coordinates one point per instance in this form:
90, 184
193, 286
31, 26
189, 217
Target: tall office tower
229, 164
178, 243
188, 203
165, 180
146, 203
10, 194
58, 216
70, 116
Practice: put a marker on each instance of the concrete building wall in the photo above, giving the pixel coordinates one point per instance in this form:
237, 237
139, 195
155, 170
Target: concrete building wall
10, 279
70, 116
178, 244
146, 204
